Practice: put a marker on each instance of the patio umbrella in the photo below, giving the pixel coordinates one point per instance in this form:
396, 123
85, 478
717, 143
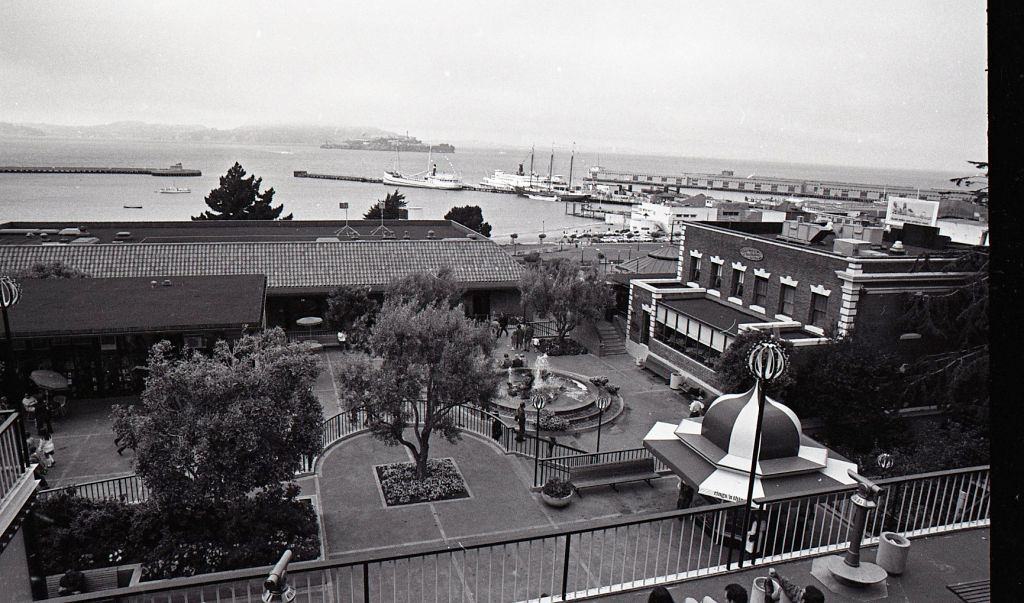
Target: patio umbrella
51, 380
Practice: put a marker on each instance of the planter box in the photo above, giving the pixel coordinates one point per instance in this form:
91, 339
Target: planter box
558, 503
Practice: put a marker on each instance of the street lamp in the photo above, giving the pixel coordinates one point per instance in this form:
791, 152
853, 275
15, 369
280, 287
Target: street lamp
10, 294
539, 401
603, 402
766, 361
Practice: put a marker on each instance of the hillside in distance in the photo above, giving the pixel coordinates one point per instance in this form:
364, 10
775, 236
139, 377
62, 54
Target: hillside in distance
136, 130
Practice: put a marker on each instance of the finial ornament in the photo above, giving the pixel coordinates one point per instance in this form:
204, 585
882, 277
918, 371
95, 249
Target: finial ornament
767, 361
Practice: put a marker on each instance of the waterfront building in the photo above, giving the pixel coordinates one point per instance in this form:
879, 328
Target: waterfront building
301, 260
805, 281
664, 213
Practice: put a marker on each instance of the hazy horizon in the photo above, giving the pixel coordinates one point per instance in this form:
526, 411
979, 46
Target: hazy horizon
866, 84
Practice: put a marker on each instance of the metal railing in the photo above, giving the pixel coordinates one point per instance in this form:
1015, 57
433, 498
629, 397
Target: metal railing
13, 451
559, 466
599, 557
468, 418
126, 488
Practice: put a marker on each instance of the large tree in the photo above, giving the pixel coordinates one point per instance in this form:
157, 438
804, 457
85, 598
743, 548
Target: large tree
425, 288
239, 198
352, 310
470, 216
391, 206
218, 427
566, 292
433, 354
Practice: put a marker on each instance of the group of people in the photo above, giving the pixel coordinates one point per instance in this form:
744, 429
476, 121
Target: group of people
41, 449
521, 333
775, 585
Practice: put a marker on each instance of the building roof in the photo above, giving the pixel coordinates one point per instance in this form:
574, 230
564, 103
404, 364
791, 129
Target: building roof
663, 260
64, 307
724, 317
212, 231
287, 265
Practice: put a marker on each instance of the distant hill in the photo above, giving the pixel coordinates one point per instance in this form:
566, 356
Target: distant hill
136, 130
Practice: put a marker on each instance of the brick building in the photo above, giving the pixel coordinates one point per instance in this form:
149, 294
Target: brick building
806, 282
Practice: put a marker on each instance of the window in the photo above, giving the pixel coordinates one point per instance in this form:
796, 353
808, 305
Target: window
694, 269
760, 291
786, 300
819, 305
737, 283
716, 276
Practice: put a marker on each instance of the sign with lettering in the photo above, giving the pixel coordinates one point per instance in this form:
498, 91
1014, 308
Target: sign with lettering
903, 210
752, 254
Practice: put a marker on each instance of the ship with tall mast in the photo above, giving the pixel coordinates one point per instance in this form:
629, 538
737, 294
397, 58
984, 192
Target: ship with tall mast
556, 189
428, 178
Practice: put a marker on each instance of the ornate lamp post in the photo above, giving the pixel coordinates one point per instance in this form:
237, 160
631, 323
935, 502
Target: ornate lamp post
539, 401
603, 402
766, 361
10, 294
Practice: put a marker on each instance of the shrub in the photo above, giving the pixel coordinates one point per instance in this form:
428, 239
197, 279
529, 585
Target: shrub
599, 380
557, 488
612, 389
549, 421
569, 347
71, 532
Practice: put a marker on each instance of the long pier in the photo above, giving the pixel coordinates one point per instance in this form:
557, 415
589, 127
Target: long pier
174, 172
727, 181
465, 187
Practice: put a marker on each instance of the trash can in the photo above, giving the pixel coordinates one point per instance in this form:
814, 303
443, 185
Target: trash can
675, 381
892, 553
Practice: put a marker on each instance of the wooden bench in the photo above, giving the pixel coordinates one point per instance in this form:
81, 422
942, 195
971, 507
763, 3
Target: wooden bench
100, 579
610, 474
977, 591
658, 367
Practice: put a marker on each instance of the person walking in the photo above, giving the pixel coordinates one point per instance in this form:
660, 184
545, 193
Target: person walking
521, 421
44, 415
503, 323
46, 448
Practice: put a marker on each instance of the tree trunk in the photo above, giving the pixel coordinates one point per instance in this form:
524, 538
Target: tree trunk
422, 456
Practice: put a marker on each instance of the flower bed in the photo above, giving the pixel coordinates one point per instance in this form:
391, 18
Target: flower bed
399, 485
551, 347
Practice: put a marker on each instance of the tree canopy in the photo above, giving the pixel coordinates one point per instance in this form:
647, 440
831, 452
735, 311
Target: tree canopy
423, 289
218, 427
432, 353
470, 216
392, 207
239, 198
564, 291
352, 310
54, 269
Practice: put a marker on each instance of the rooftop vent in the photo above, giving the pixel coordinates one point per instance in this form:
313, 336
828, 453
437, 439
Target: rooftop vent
430, 234
124, 234
70, 232
166, 283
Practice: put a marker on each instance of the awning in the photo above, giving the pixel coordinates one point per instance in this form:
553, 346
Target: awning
726, 484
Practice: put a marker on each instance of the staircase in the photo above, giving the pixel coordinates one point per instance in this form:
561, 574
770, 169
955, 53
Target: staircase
611, 341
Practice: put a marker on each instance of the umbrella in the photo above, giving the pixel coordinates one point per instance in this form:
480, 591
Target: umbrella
49, 380
310, 321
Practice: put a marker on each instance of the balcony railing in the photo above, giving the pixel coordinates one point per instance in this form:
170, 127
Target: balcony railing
599, 557
127, 488
13, 452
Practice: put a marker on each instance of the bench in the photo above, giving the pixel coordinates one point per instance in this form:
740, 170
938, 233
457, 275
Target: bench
610, 474
977, 591
658, 367
100, 579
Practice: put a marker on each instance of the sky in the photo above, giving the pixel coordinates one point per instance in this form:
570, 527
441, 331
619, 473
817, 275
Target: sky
882, 84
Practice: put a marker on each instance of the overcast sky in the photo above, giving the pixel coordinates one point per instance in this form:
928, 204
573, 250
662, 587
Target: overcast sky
859, 83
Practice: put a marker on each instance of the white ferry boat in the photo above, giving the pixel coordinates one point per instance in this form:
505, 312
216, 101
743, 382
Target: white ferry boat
174, 190
432, 179
505, 181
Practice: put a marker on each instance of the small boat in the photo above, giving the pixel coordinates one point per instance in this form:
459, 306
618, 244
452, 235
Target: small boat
174, 190
133, 207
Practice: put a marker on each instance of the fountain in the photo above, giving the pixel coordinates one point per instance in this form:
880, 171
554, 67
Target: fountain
541, 368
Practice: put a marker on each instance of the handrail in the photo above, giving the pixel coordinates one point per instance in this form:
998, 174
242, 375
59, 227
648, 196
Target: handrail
636, 552
14, 458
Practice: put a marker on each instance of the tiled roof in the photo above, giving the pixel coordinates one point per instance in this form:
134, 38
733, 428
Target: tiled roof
61, 307
285, 264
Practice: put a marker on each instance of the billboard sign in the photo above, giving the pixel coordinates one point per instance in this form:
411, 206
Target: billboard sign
904, 210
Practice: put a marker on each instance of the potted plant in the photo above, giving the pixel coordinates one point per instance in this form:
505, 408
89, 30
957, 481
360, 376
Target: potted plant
557, 492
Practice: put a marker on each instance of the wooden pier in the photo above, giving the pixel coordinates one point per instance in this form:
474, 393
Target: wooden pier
176, 172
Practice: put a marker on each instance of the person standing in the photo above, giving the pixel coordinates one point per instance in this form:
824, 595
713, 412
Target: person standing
517, 337
528, 338
496, 429
521, 421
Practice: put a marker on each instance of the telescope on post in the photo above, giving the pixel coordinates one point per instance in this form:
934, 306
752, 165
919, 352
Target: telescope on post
275, 587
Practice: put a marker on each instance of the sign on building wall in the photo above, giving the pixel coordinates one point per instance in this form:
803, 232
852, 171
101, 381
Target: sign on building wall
752, 254
904, 210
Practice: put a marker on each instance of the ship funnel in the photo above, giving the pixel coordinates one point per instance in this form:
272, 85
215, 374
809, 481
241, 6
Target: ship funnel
520, 172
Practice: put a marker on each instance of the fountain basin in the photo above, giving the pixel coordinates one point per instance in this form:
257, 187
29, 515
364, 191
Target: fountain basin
569, 393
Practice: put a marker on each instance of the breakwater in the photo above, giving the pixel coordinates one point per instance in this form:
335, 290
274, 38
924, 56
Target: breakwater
177, 172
